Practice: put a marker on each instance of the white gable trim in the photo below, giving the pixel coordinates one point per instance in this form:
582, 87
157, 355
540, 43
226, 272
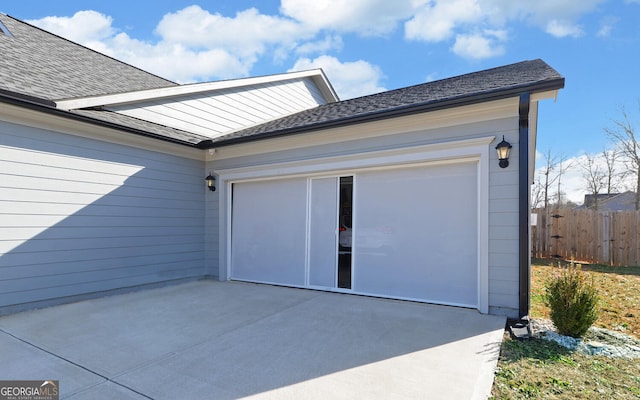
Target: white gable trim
317, 75
216, 113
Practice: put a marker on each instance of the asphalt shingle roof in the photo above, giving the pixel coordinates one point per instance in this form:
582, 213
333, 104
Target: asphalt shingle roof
155, 130
37, 63
500, 82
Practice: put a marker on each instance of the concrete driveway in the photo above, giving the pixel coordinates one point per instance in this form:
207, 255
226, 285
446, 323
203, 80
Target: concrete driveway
225, 340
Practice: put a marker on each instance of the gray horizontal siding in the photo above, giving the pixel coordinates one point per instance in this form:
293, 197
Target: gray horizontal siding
504, 303
54, 295
41, 197
80, 277
504, 231
80, 265
93, 253
81, 216
212, 234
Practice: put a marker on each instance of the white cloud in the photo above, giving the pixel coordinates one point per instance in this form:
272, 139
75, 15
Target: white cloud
194, 44
178, 62
329, 43
82, 27
246, 34
438, 20
349, 79
538, 13
364, 17
431, 77
559, 28
479, 46
607, 25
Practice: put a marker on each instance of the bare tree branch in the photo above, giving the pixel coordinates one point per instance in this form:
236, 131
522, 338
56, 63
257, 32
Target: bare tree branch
537, 194
613, 177
548, 177
562, 167
550, 162
623, 134
594, 176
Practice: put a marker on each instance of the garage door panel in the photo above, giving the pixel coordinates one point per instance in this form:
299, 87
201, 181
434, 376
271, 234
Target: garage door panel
322, 232
415, 233
268, 231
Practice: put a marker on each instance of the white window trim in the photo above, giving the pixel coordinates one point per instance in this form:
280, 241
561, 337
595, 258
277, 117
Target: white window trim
476, 149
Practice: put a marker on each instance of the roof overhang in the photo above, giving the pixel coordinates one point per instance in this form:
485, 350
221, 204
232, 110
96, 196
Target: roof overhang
317, 75
537, 91
389, 127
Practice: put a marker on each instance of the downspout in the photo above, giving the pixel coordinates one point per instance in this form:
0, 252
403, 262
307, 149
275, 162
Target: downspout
524, 204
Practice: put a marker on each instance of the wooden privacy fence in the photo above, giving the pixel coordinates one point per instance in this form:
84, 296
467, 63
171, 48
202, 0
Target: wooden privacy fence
602, 237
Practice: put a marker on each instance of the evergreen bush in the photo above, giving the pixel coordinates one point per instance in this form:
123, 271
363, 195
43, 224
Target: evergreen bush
573, 301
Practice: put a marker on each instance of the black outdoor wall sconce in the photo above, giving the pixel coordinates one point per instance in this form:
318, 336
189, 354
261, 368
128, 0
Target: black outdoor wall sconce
504, 149
211, 182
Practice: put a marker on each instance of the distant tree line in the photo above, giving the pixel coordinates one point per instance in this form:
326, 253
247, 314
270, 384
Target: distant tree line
604, 173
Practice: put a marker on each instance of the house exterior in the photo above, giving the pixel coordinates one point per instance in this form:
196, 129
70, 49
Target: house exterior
397, 194
610, 201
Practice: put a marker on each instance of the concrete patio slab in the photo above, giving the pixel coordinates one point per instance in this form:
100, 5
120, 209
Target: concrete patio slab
225, 340
107, 391
24, 361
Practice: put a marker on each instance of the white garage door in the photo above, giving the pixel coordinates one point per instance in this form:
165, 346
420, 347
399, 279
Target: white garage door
414, 233
268, 229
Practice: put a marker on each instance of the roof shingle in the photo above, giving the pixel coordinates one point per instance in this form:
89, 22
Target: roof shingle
40, 64
154, 130
484, 85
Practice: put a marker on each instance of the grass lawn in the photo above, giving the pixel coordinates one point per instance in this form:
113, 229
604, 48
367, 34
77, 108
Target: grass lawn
544, 370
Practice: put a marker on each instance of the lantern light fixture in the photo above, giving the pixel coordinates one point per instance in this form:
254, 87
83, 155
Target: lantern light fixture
504, 149
211, 182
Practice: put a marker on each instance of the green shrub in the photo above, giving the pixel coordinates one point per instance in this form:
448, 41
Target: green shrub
573, 301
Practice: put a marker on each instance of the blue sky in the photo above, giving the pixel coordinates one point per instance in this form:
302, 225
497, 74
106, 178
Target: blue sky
367, 46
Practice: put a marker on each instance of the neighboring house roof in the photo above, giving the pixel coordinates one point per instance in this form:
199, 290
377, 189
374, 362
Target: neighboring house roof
590, 199
491, 84
37, 63
611, 201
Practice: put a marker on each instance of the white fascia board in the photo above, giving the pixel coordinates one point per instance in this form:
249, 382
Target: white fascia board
533, 139
317, 75
551, 94
324, 85
533, 126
